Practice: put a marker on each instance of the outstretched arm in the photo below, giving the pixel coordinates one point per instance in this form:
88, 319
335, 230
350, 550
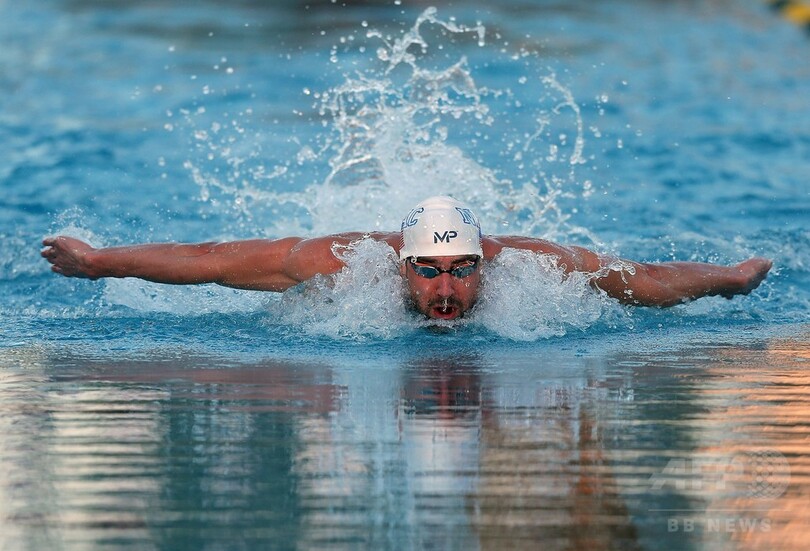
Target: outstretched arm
258, 264
646, 284
671, 283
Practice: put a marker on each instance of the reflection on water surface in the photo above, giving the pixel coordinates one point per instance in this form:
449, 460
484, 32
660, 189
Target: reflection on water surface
699, 447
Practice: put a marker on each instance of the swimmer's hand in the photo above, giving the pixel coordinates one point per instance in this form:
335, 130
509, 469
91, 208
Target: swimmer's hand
747, 276
68, 256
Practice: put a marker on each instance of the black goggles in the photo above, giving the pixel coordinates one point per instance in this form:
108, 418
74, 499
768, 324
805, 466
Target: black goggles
429, 272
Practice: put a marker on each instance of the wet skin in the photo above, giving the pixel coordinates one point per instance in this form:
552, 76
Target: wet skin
443, 297
276, 265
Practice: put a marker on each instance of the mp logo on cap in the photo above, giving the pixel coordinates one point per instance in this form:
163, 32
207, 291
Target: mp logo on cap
444, 237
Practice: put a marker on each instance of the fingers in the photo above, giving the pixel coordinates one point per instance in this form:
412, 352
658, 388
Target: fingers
760, 268
66, 255
48, 254
62, 241
755, 271
50, 250
54, 246
54, 252
749, 275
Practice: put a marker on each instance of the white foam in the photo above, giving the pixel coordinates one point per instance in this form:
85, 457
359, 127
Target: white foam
526, 296
397, 131
143, 296
366, 299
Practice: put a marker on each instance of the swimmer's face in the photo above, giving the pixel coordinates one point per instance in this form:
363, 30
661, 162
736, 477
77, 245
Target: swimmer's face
444, 296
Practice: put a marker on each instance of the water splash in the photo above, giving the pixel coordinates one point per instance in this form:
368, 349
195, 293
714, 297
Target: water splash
415, 122
143, 296
409, 125
526, 296
73, 222
365, 299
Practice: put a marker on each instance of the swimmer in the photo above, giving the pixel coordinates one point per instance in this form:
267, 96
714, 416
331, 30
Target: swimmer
441, 251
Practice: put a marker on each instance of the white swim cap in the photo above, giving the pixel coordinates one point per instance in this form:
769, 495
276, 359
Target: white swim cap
440, 226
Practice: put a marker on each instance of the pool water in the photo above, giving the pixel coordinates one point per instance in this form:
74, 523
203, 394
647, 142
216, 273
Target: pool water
144, 416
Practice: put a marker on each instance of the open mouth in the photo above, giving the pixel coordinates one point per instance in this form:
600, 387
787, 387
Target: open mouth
445, 310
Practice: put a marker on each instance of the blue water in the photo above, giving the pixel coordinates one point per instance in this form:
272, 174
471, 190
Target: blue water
652, 130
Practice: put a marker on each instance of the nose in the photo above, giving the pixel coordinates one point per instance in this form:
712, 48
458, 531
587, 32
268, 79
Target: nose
445, 285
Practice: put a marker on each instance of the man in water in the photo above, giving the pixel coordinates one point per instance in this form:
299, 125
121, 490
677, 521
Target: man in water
441, 249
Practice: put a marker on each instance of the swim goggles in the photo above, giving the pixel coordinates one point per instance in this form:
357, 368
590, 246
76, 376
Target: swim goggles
429, 272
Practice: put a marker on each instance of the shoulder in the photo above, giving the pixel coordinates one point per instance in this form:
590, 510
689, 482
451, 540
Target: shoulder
394, 239
569, 258
326, 242
319, 251
493, 245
